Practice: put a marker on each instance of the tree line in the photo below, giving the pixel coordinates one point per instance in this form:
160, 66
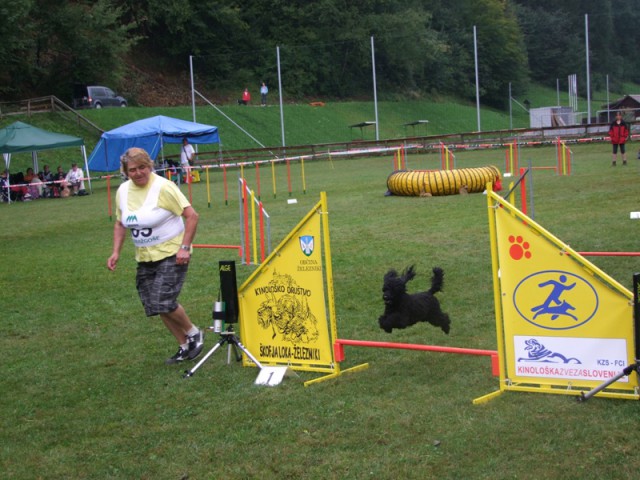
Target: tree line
422, 47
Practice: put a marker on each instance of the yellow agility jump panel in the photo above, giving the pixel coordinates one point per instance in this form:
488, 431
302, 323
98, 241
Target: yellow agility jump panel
563, 325
441, 182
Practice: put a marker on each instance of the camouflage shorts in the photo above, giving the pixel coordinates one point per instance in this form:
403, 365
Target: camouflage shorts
159, 284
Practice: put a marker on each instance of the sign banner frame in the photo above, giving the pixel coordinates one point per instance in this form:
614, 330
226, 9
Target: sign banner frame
563, 325
287, 309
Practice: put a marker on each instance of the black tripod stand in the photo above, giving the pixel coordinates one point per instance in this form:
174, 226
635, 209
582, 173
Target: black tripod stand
229, 337
634, 367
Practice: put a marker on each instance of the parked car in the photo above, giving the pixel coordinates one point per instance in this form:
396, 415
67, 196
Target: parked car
96, 96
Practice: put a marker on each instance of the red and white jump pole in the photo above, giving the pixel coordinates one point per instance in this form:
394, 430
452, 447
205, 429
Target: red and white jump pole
338, 349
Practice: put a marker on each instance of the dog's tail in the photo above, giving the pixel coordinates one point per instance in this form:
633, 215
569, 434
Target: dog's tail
437, 281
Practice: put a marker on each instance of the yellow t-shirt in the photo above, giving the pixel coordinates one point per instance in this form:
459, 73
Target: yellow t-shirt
171, 199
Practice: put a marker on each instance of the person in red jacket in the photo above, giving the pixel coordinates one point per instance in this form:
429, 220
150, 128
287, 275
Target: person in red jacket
619, 132
246, 97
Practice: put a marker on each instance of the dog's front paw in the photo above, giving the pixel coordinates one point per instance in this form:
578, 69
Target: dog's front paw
384, 324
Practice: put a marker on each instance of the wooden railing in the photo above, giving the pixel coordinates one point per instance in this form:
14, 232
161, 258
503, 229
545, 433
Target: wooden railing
49, 104
417, 144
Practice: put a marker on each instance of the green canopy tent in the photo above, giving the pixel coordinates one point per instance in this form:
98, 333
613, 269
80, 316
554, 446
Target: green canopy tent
21, 137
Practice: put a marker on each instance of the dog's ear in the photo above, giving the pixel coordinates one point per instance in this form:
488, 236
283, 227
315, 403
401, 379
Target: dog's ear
390, 274
408, 273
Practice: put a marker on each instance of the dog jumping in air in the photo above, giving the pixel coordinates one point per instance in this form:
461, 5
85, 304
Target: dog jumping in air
402, 309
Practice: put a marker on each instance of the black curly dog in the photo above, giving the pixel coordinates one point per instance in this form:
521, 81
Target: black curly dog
403, 309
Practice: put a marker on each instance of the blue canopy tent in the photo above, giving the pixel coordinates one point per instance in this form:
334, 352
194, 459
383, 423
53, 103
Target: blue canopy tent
151, 134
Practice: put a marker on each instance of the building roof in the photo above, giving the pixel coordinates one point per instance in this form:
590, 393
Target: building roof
628, 101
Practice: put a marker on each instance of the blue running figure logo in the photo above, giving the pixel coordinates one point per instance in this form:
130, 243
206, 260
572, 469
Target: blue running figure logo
553, 305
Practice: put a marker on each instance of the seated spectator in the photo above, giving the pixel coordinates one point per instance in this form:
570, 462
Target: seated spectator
29, 176
34, 185
4, 186
46, 176
172, 171
60, 174
58, 180
74, 179
17, 187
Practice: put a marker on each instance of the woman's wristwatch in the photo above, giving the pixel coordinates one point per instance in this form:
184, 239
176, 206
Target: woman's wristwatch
186, 247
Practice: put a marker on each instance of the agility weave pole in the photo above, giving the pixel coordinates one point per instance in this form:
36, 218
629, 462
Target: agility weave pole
564, 159
249, 230
339, 344
447, 158
441, 182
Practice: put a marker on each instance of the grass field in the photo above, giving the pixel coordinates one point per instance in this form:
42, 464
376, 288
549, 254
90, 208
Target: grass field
86, 393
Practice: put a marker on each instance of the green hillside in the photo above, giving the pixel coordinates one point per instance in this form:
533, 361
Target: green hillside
306, 124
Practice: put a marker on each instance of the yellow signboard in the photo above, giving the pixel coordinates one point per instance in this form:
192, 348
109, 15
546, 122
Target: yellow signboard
283, 305
563, 325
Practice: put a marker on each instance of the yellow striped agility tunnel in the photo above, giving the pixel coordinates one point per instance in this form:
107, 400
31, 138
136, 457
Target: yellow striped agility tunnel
441, 182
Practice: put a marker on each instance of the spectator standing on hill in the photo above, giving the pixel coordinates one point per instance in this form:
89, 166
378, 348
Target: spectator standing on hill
163, 225
263, 94
619, 132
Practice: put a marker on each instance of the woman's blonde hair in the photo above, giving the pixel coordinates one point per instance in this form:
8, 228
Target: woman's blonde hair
137, 155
